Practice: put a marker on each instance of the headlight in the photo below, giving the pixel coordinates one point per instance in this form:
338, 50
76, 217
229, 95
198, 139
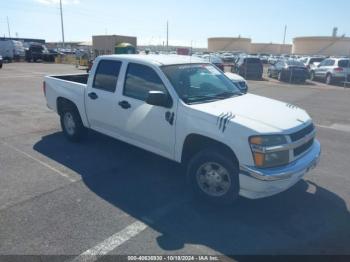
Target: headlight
267, 150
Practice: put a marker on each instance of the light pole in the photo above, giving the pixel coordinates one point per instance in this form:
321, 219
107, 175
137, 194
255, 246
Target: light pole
167, 36
62, 24
8, 26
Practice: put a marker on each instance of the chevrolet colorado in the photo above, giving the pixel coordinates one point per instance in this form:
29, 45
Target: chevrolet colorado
189, 111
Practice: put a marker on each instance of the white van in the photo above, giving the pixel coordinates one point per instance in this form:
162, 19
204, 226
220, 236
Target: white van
11, 50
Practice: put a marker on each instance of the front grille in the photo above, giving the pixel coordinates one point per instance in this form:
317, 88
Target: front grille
301, 133
301, 149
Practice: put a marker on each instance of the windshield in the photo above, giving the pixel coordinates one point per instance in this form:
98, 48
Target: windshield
294, 63
318, 59
200, 83
252, 60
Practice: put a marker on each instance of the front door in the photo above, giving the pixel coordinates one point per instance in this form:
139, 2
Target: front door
147, 126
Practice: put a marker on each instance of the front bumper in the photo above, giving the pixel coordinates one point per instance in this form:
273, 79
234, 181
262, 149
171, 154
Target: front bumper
258, 182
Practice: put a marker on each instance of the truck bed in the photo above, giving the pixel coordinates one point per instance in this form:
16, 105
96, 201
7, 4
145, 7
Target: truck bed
81, 78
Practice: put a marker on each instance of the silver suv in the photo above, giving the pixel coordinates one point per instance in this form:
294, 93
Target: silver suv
332, 70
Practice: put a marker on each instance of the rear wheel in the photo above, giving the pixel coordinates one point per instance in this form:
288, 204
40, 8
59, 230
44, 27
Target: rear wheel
329, 79
214, 177
269, 74
280, 78
72, 125
312, 76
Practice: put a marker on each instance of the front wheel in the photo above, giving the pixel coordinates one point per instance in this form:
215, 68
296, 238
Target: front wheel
214, 177
72, 125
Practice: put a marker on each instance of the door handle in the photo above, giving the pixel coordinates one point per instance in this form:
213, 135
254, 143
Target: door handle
124, 104
93, 95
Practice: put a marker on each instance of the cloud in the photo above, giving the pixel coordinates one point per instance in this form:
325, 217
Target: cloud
55, 2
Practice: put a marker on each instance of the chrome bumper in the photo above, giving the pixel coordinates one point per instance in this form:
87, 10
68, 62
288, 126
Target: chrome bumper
299, 166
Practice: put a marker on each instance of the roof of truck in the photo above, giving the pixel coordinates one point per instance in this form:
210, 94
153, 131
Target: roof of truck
159, 59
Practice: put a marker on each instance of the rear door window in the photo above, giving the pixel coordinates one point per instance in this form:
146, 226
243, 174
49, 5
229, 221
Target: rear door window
106, 76
330, 62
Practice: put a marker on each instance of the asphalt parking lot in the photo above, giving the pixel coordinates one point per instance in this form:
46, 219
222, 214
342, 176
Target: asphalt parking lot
59, 198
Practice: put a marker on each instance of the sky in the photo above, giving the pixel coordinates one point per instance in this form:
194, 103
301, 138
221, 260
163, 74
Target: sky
190, 21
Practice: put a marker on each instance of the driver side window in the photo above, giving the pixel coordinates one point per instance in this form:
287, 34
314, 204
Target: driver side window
141, 79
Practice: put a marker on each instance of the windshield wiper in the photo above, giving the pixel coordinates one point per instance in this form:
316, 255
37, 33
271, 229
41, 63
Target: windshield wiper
226, 94
209, 98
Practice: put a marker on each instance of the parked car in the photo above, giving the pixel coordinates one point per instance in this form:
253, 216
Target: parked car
34, 52
239, 81
249, 67
1, 61
289, 70
332, 70
37, 51
311, 62
11, 50
214, 59
188, 111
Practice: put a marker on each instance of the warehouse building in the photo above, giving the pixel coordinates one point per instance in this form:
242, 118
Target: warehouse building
105, 44
322, 45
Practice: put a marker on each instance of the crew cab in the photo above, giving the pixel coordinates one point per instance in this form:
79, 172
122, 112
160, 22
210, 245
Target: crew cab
189, 111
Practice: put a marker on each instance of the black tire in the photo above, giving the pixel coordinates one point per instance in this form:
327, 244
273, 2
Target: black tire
216, 159
269, 74
329, 79
280, 77
312, 76
76, 132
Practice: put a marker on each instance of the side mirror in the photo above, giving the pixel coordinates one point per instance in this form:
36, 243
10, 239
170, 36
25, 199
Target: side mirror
159, 98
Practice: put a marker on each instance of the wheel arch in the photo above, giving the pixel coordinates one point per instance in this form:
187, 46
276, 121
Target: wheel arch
63, 104
194, 143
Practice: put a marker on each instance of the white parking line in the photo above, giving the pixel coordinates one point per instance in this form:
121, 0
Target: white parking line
125, 234
39, 161
111, 243
338, 127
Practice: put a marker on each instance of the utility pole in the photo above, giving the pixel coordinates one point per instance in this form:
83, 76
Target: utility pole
167, 36
62, 24
8, 26
284, 36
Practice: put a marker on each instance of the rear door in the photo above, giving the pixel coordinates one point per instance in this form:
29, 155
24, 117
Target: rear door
144, 125
101, 101
319, 71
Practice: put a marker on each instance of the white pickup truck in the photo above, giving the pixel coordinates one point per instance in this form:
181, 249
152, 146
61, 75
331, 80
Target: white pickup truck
187, 110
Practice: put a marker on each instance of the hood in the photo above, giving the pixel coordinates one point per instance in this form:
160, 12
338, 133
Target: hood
234, 77
274, 114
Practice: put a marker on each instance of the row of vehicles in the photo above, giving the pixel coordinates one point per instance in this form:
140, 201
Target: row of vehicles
12, 50
330, 70
249, 67
290, 68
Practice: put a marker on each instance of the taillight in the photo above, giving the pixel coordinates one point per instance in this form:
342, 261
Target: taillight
338, 69
44, 88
